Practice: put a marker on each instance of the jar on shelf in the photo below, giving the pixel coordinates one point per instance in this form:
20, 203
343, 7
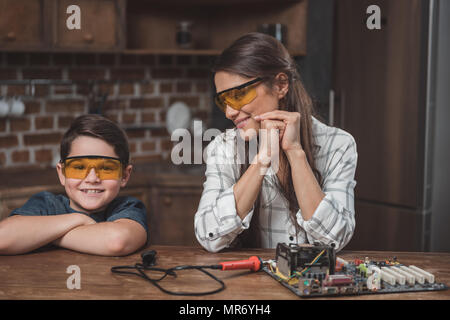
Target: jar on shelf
184, 35
276, 30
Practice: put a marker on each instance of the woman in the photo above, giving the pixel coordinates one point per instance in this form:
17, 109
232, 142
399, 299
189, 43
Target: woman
308, 196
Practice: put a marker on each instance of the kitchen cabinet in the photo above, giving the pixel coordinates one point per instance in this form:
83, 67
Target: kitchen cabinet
16, 197
171, 214
387, 227
102, 25
380, 83
23, 24
145, 26
41, 25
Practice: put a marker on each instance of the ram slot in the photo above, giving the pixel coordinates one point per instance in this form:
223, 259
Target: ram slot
398, 277
409, 277
384, 276
428, 276
371, 268
419, 277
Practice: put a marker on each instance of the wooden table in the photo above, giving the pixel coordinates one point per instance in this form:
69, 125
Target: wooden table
43, 275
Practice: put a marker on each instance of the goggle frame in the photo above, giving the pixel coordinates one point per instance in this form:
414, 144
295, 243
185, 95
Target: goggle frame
222, 103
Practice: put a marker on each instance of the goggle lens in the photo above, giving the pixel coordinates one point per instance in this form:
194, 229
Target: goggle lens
237, 97
105, 168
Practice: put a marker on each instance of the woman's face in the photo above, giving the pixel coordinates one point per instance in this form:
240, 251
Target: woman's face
265, 101
79, 191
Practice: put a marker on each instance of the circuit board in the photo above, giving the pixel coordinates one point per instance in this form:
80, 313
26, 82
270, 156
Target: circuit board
357, 277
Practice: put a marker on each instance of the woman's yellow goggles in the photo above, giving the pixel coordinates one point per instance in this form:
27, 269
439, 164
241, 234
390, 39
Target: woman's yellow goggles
106, 168
237, 97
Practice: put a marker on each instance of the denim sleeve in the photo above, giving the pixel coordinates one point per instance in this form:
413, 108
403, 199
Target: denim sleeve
41, 204
129, 208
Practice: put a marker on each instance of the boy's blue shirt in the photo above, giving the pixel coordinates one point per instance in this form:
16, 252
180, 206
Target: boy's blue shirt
47, 204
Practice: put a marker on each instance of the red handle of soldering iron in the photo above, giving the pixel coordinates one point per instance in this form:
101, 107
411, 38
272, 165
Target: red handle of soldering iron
253, 263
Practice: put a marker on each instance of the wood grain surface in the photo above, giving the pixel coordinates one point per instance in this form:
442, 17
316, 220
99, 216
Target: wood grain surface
43, 275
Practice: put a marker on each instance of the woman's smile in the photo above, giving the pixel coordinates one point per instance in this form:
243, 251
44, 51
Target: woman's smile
241, 122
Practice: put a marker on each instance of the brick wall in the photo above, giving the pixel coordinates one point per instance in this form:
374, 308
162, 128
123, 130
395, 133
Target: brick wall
140, 89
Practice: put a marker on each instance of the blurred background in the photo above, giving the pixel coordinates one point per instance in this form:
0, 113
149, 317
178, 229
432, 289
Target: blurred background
145, 64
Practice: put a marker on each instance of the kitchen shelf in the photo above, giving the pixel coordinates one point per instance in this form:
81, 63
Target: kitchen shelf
205, 52
152, 25
211, 3
186, 52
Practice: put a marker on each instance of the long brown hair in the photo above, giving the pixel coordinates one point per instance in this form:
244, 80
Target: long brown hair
260, 55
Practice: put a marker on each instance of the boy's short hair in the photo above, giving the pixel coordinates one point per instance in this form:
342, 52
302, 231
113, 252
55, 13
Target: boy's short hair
94, 125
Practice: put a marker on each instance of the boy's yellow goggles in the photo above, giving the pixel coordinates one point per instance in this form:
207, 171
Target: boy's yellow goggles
106, 168
237, 97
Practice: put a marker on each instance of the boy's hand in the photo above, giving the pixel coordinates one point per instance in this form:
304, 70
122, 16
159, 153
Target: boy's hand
82, 220
109, 238
87, 219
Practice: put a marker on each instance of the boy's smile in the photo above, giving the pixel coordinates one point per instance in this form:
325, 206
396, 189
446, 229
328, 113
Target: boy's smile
91, 194
92, 191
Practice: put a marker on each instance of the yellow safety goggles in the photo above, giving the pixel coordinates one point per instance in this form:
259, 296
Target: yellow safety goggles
106, 168
237, 97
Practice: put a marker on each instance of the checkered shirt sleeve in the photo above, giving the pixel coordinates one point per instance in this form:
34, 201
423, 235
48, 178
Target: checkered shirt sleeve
216, 222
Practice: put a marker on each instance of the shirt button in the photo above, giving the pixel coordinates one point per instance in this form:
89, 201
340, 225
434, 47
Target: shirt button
291, 238
210, 234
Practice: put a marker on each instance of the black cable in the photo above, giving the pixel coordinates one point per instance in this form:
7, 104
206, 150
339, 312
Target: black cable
141, 268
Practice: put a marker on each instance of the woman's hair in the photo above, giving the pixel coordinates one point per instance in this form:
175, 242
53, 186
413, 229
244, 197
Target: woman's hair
260, 55
96, 126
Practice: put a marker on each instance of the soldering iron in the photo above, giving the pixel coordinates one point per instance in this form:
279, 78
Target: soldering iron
253, 263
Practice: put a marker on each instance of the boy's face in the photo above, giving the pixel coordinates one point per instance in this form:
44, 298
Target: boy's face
79, 191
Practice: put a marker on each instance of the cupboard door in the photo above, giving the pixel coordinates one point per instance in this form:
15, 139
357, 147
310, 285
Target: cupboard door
388, 228
138, 193
378, 81
141, 194
172, 216
21, 24
101, 25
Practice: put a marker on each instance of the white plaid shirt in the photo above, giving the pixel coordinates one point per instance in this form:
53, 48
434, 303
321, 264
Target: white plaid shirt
217, 223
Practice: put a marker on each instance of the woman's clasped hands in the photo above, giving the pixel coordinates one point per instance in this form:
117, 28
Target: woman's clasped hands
278, 129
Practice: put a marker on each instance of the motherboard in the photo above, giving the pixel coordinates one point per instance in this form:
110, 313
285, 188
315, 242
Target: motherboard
315, 271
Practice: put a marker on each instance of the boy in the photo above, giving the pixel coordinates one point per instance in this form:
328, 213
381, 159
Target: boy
91, 219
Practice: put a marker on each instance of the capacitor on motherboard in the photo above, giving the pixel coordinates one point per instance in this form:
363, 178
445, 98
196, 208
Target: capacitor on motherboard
341, 264
362, 269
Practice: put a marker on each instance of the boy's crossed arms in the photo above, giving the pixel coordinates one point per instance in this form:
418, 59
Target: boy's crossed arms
75, 231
